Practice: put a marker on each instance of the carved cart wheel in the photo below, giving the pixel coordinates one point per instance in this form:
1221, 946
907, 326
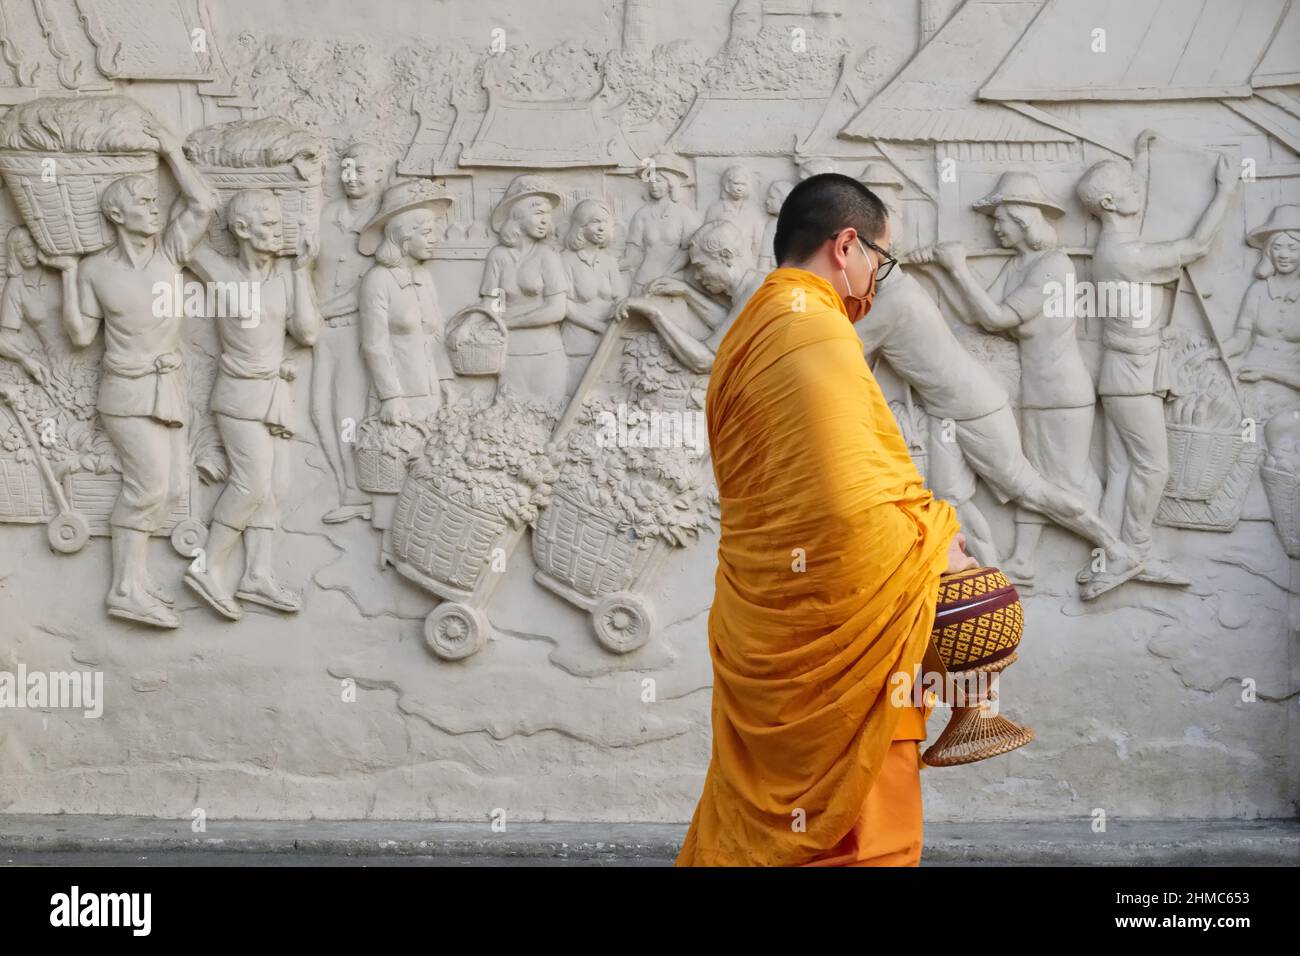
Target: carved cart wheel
454, 631
623, 622
189, 535
68, 532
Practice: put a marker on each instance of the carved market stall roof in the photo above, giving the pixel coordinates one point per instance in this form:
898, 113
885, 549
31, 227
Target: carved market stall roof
1280, 65
84, 45
754, 123
1155, 49
930, 100
545, 134
1159, 50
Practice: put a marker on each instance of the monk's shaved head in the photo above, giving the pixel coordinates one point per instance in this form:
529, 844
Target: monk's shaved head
821, 206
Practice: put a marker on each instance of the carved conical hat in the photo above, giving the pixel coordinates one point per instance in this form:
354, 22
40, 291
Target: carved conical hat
1281, 219
1022, 188
411, 194
520, 188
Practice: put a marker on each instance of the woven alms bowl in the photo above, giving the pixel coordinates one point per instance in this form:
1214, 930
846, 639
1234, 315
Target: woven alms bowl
978, 625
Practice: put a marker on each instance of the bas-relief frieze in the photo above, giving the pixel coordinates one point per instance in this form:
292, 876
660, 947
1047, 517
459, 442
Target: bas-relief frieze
490, 283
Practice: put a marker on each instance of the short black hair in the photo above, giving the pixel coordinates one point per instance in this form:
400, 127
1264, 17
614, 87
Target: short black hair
821, 206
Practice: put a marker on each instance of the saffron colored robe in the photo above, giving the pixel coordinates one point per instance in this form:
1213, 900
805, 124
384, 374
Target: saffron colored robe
827, 581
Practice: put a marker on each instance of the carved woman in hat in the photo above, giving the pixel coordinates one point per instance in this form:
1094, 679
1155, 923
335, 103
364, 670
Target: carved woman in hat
1268, 324
660, 232
525, 283
1025, 302
595, 284
401, 321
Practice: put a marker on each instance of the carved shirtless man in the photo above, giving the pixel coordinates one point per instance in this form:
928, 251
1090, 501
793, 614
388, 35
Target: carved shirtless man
251, 403
1132, 386
338, 378
142, 400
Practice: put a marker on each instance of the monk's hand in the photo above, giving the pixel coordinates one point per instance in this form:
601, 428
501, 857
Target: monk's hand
958, 559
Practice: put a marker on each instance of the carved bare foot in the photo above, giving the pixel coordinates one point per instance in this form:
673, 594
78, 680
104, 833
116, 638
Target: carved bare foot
269, 593
205, 586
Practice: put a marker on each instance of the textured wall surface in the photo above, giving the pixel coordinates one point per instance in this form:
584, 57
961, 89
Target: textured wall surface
550, 699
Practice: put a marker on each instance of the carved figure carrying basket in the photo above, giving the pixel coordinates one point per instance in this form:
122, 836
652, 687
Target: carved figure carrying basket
977, 628
266, 154
583, 557
58, 195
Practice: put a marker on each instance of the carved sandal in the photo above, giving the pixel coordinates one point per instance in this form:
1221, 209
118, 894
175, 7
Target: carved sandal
1103, 581
345, 513
278, 598
155, 615
224, 605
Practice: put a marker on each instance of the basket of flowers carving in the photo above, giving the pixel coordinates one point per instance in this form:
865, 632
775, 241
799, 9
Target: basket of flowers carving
441, 539
382, 452
268, 154
615, 503
484, 470
58, 154
578, 546
476, 341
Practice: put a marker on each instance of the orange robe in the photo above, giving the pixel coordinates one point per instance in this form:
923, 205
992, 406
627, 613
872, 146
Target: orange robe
828, 573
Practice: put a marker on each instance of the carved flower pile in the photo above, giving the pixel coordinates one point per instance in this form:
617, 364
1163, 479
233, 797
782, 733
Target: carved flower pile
493, 458
654, 492
649, 368
63, 415
1205, 397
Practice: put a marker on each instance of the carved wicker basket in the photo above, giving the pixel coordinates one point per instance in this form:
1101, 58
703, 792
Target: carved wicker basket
58, 194
1199, 460
471, 354
300, 201
23, 498
582, 549
1283, 491
379, 472
440, 543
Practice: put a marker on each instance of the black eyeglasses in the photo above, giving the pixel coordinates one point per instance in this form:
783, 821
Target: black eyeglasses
887, 262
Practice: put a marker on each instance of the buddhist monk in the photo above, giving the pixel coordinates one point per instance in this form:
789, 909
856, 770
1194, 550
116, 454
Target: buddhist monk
828, 563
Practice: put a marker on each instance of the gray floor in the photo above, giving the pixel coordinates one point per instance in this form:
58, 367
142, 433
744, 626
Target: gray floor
143, 841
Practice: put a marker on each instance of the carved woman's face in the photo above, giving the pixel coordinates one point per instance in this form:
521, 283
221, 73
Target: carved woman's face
25, 250
1008, 230
535, 217
1284, 251
597, 229
420, 233
658, 186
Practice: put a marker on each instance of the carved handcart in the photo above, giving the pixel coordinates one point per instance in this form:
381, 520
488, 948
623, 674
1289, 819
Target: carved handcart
588, 551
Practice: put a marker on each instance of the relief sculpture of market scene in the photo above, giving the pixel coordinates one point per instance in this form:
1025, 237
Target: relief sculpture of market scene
326, 360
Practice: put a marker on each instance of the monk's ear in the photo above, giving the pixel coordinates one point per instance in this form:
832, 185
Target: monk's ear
1107, 202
